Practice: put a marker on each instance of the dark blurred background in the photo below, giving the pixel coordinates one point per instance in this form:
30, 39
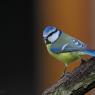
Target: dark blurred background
20, 72
25, 66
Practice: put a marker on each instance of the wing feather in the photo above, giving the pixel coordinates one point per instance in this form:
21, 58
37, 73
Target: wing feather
67, 43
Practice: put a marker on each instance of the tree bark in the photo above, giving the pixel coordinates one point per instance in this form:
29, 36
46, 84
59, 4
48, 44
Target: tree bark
78, 82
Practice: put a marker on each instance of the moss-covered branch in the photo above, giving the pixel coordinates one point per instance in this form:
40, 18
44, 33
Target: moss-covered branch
78, 82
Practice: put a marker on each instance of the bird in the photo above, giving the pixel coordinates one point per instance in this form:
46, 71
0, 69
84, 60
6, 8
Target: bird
64, 47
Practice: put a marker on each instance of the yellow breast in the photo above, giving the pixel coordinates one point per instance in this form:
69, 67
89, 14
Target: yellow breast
66, 58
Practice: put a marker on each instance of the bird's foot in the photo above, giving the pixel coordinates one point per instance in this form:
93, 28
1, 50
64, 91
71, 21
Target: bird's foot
64, 75
82, 61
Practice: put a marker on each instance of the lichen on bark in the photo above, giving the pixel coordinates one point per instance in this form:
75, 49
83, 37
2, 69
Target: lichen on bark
78, 82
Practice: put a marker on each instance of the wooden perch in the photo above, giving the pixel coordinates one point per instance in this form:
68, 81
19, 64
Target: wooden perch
78, 82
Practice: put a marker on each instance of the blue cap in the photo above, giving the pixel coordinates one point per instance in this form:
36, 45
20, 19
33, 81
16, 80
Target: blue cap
48, 30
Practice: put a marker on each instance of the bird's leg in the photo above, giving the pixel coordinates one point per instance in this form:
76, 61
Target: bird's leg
82, 60
65, 67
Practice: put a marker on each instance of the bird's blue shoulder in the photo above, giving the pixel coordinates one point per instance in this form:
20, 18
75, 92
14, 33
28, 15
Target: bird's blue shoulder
55, 50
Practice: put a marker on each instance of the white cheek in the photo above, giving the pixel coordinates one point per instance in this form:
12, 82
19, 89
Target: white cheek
53, 37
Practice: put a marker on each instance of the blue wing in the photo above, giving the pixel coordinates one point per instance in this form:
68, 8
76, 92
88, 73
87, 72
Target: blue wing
76, 46
69, 44
90, 52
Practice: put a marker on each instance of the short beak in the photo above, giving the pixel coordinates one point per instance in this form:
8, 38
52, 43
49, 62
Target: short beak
46, 41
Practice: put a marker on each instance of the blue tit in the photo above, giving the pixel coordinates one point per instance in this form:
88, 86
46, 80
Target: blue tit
64, 47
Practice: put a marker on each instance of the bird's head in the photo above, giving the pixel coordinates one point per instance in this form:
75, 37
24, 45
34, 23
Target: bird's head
51, 34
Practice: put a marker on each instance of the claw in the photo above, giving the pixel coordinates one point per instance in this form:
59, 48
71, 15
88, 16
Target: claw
83, 61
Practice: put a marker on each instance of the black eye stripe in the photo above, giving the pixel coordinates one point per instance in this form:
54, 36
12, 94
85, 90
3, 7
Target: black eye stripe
47, 41
52, 33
